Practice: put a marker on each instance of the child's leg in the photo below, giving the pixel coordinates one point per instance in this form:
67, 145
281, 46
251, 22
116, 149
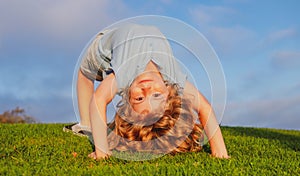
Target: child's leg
85, 90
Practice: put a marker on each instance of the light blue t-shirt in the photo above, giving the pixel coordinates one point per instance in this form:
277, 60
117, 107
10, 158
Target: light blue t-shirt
127, 50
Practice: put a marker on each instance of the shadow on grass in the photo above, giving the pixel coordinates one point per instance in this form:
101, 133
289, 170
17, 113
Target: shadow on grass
287, 138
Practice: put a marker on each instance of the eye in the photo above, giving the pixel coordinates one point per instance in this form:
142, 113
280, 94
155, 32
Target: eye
157, 95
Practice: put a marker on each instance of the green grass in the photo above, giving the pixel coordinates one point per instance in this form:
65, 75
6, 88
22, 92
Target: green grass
44, 149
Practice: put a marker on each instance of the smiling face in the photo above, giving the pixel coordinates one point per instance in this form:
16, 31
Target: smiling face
148, 92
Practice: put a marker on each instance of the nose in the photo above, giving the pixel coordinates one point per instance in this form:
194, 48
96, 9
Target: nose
146, 85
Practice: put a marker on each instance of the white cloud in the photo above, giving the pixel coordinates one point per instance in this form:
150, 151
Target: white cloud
208, 14
168, 2
278, 36
59, 19
271, 113
232, 40
236, 1
216, 23
286, 59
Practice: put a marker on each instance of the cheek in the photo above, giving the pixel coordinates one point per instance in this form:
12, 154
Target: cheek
159, 106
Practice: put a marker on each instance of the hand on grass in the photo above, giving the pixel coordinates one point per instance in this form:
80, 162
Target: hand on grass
101, 155
222, 156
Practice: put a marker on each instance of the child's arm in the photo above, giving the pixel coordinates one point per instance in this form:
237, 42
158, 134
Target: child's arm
102, 96
85, 90
208, 120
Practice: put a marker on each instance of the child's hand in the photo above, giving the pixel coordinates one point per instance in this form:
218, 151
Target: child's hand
100, 155
220, 155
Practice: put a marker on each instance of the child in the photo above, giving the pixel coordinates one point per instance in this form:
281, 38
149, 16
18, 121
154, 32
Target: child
158, 106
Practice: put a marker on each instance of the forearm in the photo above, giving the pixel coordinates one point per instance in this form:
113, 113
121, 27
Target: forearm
208, 120
218, 148
214, 134
99, 128
102, 96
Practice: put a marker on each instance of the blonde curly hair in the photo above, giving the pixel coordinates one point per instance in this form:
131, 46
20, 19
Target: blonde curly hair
176, 130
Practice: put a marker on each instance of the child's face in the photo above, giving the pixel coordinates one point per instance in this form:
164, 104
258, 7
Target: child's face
148, 93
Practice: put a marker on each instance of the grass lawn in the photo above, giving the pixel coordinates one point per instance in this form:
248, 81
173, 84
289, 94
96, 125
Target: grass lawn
44, 149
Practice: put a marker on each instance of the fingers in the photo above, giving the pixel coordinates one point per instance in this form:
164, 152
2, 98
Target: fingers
94, 156
221, 156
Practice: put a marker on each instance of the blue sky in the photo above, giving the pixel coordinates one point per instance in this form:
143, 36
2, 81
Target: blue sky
258, 44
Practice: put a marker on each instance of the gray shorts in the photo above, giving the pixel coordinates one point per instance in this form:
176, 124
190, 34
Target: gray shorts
94, 65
